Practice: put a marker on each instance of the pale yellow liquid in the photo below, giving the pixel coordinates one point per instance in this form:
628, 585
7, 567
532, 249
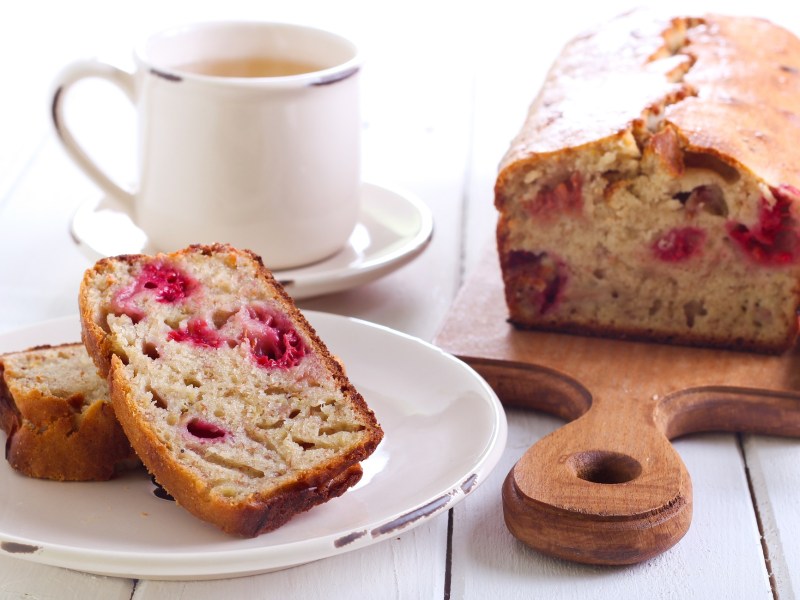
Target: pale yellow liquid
251, 66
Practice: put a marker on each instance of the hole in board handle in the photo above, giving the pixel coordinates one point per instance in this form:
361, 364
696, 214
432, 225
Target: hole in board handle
601, 466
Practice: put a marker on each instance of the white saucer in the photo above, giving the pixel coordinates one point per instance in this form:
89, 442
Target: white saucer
444, 432
394, 227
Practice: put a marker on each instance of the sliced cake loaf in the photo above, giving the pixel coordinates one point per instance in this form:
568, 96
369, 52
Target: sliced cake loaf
653, 191
58, 418
224, 389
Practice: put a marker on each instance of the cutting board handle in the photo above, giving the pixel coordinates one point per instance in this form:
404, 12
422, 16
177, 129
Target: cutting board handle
607, 488
728, 408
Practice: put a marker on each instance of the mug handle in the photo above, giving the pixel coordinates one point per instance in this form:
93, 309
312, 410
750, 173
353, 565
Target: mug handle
70, 75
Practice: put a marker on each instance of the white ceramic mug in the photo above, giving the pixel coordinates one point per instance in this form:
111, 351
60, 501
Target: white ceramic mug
269, 163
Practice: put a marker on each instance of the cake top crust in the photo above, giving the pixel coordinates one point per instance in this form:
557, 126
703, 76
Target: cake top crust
729, 86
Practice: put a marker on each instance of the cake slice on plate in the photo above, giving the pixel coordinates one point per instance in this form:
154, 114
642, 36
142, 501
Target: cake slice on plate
226, 392
58, 417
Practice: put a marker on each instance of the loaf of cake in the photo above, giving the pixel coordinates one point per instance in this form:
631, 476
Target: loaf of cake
225, 391
653, 190
58, 418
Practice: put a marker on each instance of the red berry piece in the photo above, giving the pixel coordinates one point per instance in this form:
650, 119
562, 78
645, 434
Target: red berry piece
165, 283
541, 277
197, 332
205, 430
775, 239
273, 341
564, 197
679, 244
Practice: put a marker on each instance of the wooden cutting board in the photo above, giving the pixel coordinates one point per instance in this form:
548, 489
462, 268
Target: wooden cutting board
608, 487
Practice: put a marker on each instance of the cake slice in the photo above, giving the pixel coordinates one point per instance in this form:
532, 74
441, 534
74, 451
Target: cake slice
654, 189
58, 418
226, 392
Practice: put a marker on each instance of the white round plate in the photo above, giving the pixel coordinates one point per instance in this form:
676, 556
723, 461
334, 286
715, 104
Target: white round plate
444, 432
394, 227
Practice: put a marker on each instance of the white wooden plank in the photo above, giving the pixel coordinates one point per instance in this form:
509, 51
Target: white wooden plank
720, 556
22, 579
410, 566
774, 465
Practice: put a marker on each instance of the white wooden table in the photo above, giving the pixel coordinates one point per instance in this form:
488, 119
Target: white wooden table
445, 87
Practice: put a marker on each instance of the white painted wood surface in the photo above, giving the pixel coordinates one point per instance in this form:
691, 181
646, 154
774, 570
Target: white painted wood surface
445, 87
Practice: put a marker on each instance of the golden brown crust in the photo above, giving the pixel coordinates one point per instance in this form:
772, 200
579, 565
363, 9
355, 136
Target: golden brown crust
747, 110
59, 435
261, 511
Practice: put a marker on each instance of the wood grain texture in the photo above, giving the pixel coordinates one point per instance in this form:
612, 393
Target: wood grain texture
608, 488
